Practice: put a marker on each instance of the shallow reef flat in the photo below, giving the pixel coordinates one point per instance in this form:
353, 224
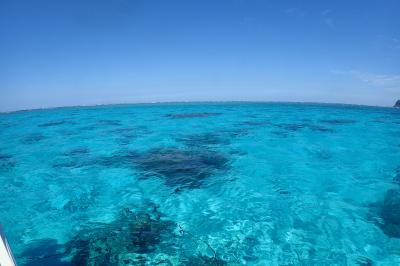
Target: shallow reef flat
202, 184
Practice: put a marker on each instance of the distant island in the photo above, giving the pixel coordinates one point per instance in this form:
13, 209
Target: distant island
397, 104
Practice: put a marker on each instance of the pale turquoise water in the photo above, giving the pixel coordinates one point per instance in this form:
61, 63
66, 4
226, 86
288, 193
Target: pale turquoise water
202, 184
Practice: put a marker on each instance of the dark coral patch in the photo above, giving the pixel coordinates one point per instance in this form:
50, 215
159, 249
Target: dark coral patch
5, 125
88, 127
178, 168
256, 123
108, 122
181, 168
136, 237
147, 232
396, 177
54, 123
130, 131
72, 163
337, 121
77, 151
67, 132
250, 244
292, 127
127, 240
33, 138
204, 139
5, 157
282, 134
124, 141
6, 162
123, 131
321, 129
301, 126
191, 115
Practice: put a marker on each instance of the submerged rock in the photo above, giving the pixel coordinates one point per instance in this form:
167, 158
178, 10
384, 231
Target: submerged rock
397, 104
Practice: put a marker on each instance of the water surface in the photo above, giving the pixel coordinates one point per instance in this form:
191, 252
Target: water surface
202, 184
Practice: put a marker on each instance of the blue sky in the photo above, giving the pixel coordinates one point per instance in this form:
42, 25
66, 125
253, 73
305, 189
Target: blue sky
58, 53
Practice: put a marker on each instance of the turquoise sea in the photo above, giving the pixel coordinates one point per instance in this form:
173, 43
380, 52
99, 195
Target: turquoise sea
202, 184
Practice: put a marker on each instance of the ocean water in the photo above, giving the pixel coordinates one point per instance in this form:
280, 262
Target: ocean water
202, 184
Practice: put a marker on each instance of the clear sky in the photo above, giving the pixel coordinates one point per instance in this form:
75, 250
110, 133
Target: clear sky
66, 52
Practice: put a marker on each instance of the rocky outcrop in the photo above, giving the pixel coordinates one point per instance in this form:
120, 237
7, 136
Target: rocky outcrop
397, 104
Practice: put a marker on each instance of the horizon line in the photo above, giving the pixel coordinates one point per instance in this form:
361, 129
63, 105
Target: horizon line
187, 102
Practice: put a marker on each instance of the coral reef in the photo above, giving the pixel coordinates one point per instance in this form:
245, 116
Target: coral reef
180, 167
127, 240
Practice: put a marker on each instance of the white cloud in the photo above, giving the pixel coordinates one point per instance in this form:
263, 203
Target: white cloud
381, 80
327, 19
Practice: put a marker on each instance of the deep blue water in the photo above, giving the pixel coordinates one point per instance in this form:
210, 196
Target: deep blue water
202, 184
